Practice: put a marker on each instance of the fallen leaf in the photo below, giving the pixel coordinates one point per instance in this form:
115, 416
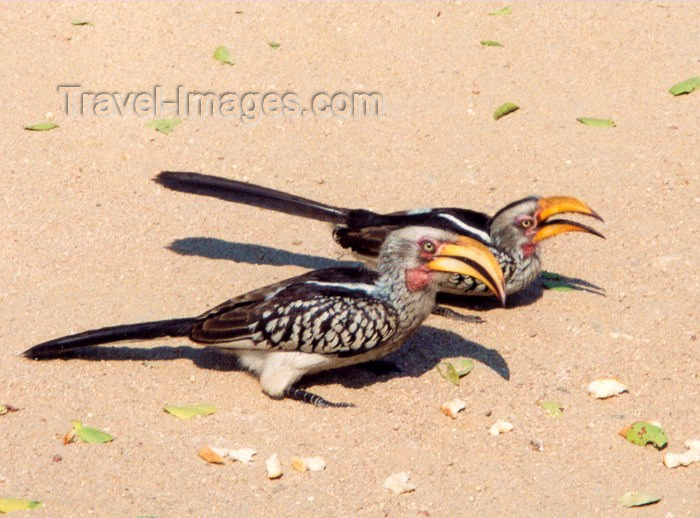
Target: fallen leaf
552, 408
504, 110
80, 22
463, 366
188, 412
41, 126
557, 285
165, 126
596, 123
643, 433
686, 87
638, 498
223, 55
501, 12
15, 504
274, 44
490, 43
69, 437
90, 435
6, 409
448, 371
210, 455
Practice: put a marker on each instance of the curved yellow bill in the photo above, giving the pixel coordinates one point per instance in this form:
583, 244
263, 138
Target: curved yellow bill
468, 257
552, 228
560, 204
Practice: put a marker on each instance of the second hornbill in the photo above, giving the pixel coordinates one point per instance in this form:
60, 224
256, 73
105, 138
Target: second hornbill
513, 233
323, 319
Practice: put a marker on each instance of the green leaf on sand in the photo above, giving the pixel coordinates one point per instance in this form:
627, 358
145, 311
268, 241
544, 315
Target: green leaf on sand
501, 12
552, 408
223, 55
90, 435
638, 498
165, 126
14, 504
41, 126
643, 433
274, 44
685, 87
504, 110
188, 412
490, 43
557, 285
80, 22
596, 123
453, 370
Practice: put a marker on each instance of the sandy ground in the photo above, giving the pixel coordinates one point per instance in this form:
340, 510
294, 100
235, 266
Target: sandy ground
89, 240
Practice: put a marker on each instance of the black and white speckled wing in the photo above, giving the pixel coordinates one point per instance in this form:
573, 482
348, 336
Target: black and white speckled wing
335, 311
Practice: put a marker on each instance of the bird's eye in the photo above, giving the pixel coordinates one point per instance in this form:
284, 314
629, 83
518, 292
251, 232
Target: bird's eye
526, 223
428, 246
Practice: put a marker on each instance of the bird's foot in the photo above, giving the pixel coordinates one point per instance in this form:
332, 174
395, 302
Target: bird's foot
455, 315
316, 400
380, 367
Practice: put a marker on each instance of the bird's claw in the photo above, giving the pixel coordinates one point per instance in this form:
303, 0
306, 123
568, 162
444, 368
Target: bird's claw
313, 399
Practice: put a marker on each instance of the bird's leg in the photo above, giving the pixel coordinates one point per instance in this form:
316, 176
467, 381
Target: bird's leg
308, 397
454, 315
379, 367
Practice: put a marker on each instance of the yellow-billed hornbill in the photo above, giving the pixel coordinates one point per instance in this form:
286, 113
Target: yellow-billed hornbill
513, 233
323, 319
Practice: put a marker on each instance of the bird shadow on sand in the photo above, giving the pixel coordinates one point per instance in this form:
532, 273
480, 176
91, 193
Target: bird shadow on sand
422, 352
213, 248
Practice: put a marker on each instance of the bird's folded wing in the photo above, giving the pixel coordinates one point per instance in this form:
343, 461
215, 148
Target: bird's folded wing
330, 312
364, 235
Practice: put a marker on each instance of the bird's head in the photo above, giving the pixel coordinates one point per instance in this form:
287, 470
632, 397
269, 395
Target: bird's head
520, 226
428, 256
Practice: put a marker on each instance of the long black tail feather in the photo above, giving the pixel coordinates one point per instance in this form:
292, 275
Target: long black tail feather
145, 331
251, 194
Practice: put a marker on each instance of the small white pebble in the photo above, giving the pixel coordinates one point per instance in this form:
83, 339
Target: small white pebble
50, 116
616, 335
244, 455
302, 464
452, 408
273, 467
500, 427
693, 444
605, 388
399, 483
691, 455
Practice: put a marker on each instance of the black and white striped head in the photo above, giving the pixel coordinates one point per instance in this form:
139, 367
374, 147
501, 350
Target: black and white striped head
425, 257
519, 226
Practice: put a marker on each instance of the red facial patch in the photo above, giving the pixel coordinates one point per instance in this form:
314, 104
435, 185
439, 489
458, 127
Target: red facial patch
417, 279
529, 249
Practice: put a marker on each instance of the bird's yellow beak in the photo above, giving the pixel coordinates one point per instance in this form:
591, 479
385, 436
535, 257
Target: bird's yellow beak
548, 207
468, 257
